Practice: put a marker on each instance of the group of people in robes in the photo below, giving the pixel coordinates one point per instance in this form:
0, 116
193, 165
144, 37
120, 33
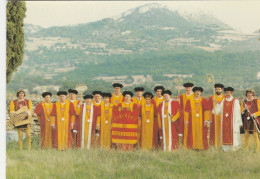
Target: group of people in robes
121, 121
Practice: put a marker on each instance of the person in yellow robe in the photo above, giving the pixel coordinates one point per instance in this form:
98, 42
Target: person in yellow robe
184, 116
97, 102
16, 105
43, 111
215, 127
158, 98
62, 113
86, 125
149, 123
106, 121
198, 118
76, 103
117, 96
250, 110
139, 100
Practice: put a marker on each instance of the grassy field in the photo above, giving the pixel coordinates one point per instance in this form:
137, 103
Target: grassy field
98, 163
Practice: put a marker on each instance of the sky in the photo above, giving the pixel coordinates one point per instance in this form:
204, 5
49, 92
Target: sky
244, 16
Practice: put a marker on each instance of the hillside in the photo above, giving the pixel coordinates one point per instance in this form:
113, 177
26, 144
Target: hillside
148, 40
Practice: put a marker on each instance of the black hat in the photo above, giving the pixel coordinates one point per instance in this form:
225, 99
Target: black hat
139, 89
96, 92
117, 85
167, 92
106, 95
128, 92
148, 94
46, 93
218, 85
158, 87
188, 85
197, 89
73, 91
228, 89
62, 93
88, 96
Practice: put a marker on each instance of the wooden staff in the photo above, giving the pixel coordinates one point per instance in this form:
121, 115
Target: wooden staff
211, 79
178, 81
81, 88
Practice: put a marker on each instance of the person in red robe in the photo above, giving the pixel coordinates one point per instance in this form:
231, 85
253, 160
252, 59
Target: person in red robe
125, 128
197, 109
86, 125
62, 113
43, 111
168, 122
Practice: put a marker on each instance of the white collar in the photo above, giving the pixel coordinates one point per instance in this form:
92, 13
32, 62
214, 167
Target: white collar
19, 100
72, 100
118, 95
249, 99
229, 99
189, 95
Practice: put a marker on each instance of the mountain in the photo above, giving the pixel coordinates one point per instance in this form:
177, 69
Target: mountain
150, 34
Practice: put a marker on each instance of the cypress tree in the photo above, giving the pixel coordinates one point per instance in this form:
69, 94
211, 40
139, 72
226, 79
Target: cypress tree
15, 13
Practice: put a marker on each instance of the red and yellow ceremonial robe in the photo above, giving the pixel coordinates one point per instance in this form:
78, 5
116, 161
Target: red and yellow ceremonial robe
125, 125
198, 113
106, 125
63, 114
215, 127
149, 126
139, 102
43, 111
168, 122
158, 100
86, 126
184, 116
115, 100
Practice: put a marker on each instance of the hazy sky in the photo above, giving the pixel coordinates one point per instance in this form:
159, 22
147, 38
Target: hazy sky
244, 16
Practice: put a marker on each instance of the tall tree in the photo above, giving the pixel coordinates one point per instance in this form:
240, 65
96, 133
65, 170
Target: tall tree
15, 13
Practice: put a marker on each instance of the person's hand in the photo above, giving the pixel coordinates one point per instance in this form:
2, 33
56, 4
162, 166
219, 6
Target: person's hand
178, 99
53, 126
253, 115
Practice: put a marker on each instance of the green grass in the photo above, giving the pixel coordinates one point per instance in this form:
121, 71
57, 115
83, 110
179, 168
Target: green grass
98, 163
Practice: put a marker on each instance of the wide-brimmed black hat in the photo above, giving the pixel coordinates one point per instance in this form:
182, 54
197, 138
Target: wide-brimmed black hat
96, 92
228, 89
219, 85
197, 89
117, 85
73, 91
106, 95
128, 93
46, 94
158, 87
167, 92
62, 93
88, 96
148, 95
188, 85
139, 89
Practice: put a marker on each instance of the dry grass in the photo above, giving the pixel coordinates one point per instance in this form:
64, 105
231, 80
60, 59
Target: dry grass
98, 163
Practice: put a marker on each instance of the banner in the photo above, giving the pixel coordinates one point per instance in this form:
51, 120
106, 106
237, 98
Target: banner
125, 125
